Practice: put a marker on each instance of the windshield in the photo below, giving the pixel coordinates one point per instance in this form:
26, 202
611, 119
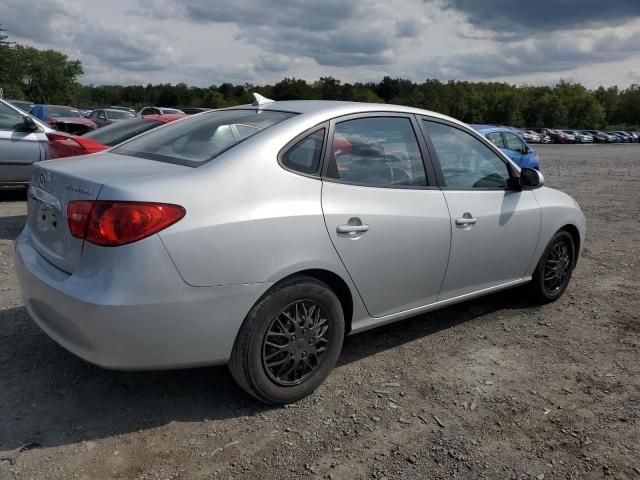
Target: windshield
119, 132
119, 114
196, 140
171, 110
63, 112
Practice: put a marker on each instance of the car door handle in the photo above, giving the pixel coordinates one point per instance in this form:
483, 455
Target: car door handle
352, 228
466, 221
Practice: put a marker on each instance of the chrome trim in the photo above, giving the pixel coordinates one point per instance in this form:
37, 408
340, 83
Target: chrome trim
45, 197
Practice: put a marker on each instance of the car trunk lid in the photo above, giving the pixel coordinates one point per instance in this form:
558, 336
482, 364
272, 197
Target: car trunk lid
56, 183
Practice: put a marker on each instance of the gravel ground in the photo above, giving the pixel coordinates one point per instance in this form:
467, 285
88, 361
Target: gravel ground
490, 389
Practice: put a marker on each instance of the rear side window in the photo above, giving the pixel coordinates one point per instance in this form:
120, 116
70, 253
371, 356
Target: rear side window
304, 156
376, 151
196, 140
496, 139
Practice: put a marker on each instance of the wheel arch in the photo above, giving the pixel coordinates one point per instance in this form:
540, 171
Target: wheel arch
335, 282
575, 236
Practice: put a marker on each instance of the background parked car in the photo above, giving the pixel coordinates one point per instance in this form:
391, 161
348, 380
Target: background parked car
25, 140
158, 111
23, 105
511, 143
119, 132
544, 138
599, 137
579, 136
106, 116
63, 118
558, 136
623, 137
529, 136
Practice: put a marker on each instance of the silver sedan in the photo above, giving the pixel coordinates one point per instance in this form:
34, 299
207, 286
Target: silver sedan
259, 236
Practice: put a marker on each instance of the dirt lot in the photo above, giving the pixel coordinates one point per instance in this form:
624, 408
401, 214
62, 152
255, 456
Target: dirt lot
491, 389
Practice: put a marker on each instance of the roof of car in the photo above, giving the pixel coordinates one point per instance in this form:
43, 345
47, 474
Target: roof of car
338, 107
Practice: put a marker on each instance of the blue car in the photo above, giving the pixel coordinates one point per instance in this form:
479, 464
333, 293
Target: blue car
511, 143
624, 137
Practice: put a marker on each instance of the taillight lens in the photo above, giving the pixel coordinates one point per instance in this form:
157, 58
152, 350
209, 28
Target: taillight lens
111, 223
63, 145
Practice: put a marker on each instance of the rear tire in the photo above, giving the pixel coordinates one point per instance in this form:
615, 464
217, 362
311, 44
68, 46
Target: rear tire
289, 342
553, 272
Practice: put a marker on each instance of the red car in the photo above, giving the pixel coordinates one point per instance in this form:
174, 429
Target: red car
66, 145
68, 119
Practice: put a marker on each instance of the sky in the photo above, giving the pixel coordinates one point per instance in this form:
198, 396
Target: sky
205, 42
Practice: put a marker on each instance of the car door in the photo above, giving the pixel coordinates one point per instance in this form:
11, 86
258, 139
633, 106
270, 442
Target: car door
18, 148
388, 223
99, 117
495, 228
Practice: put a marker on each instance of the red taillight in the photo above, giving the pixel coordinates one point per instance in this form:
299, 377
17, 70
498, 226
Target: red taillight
110, 224
64, 145
78, 216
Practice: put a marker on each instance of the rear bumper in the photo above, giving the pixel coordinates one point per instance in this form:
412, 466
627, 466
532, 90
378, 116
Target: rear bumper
140, 317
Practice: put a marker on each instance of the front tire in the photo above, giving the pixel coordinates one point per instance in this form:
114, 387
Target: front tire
553, 272
289, 341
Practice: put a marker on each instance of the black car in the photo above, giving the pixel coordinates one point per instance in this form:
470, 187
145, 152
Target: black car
194, 110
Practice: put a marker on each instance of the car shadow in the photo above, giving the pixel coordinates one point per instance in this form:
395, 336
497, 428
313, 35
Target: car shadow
10, 227
51, 397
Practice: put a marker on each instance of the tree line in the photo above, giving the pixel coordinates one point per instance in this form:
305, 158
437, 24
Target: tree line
49, 76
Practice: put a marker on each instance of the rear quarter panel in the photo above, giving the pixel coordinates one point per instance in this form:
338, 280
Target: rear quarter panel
248, 220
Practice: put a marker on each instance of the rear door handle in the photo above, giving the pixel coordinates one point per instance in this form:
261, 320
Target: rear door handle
466, 220
352, 228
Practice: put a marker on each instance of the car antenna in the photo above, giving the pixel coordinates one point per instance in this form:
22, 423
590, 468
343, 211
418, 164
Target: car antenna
259, 100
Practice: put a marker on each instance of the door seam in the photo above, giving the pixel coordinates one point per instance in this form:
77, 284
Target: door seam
446, 270
324, 219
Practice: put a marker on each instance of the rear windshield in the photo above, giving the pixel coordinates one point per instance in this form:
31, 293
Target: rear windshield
171, 110
119, 114
196, 140
119, 132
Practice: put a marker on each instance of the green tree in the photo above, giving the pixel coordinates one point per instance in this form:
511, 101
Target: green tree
46, 75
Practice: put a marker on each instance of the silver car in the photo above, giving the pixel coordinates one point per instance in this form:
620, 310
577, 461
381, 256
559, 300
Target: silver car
23, 141
261, 235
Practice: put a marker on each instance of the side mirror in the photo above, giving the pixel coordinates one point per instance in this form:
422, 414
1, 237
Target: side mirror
28, 125
531, 178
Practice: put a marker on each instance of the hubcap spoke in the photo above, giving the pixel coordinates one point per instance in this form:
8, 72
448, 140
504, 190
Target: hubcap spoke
295, 343
556, 267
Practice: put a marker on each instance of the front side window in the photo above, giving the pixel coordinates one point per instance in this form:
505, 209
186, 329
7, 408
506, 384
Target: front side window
304, 156
513, 142
465, 161
376, 151
496, 139
9, 118
196, 140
